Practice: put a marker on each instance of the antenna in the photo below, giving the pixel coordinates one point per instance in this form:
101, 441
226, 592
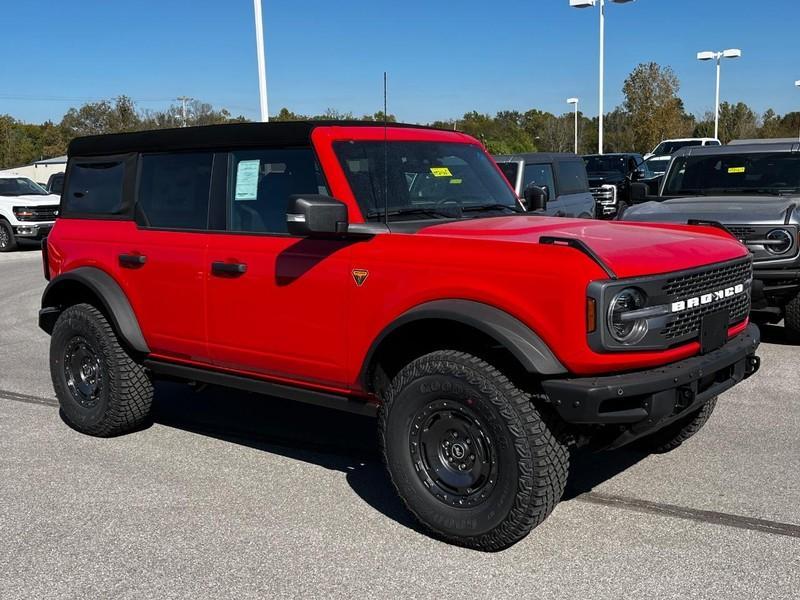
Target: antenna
385, 152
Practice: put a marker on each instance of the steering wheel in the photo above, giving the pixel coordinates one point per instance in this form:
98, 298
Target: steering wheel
448, 200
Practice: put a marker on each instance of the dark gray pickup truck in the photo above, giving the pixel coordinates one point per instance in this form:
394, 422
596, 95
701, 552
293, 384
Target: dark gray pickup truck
753, 190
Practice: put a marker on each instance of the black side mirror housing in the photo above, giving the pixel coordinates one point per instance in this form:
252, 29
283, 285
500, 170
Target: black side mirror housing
312, 215
535, 198
639, 192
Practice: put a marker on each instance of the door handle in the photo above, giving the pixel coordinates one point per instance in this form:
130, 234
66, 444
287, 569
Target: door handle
227, 269
132, 261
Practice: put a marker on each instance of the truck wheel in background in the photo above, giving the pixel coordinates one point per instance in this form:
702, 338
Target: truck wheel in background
7, 240
468, 452
673, 435
101, 389
791, 318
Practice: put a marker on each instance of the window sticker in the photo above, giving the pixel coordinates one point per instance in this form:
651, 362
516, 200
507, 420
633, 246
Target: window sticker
735, 169
455, 181
247, 180
441, 172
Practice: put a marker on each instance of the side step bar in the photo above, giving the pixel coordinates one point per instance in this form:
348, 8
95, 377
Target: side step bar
260, 386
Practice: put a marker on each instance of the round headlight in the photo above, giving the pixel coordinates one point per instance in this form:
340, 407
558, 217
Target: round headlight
781, 241
625, 330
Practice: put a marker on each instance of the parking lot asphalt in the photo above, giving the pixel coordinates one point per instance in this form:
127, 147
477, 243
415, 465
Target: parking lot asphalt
229, 494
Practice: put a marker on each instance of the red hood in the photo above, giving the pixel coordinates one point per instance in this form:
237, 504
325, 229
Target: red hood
630, 249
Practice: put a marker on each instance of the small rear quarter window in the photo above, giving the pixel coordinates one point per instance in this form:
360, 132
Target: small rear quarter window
95, 188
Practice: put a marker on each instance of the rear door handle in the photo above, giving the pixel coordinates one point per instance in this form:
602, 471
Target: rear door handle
132, 261
228, 269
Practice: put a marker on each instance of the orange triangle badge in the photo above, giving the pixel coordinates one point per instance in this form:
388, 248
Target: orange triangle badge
360, 276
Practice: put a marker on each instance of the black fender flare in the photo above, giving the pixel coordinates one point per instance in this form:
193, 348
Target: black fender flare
519, 339
114, 302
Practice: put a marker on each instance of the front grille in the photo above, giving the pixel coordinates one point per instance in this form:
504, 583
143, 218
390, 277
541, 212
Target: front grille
685, 325
603, 195
741, 232
688, 323
38, 213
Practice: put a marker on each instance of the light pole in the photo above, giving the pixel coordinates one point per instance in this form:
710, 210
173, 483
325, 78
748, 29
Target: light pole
262, 67
718, 56
183, 100
797, 84
589, 4
575, 102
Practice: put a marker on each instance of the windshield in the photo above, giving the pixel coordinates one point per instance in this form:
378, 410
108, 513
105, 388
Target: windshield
423, 179
665, 148
762, 173
19, 186
604, 164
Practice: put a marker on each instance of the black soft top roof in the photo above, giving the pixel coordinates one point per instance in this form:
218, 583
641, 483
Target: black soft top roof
537, 157
281, 133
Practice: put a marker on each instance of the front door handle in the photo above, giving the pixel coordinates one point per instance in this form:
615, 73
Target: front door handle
132, 261
227, 269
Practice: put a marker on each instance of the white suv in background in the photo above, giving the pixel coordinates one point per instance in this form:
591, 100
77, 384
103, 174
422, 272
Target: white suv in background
27, 211
670, 147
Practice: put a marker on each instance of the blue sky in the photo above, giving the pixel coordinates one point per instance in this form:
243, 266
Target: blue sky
443, 58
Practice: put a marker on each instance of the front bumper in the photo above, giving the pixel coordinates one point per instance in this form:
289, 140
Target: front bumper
774, 287
32, 231
645, 401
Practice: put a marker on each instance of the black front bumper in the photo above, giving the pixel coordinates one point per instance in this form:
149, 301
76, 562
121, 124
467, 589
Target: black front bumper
645, 401
774, 287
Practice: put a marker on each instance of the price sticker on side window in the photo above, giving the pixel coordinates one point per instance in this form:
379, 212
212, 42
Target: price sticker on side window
735, 169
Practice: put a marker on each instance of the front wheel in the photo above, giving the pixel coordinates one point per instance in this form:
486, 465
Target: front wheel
468, 452
673, 435
791, 318
7, 240
101, 389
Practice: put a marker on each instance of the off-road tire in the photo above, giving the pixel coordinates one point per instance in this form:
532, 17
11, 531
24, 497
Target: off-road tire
532, 463
122, 393
791, 318
8, 242
673, 435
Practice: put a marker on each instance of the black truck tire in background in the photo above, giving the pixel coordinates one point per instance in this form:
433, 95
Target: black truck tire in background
673, 435
101, 389
468, 452
791, 318
7, 240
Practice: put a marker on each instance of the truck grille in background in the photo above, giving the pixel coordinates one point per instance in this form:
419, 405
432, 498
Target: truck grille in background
603, 195
39, 213
740, 232
685, 325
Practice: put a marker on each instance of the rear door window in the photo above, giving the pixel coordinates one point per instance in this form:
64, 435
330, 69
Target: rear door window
173, 191
95, 188
540, 175
572, 177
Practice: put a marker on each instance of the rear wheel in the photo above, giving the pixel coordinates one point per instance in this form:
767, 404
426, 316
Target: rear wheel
673, 435
468, 452
7, 240
101, 389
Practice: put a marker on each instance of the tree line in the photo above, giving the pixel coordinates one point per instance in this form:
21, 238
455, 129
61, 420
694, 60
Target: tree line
652, 110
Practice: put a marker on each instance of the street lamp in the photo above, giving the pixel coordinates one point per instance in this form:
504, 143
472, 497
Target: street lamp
262, 67
718, 56
797, 84
575, 102
590, 4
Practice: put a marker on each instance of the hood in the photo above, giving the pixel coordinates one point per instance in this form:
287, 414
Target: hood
31, 200
728, 210
600, 177
629, 249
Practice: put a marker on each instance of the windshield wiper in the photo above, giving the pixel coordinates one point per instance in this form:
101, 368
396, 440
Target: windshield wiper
487, 207
433, 212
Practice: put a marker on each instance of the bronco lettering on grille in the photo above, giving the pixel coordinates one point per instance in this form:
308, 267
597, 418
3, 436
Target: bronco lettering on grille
716, 296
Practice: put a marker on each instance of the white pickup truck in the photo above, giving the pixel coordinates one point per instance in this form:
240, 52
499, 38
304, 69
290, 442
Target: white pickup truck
27, 211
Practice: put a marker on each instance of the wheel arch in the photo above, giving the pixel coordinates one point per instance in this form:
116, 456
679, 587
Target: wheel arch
470, 321
98, 288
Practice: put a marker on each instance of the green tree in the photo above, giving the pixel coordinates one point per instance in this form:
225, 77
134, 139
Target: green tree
653, 106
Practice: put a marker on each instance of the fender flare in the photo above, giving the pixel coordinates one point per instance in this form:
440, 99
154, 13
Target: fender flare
519, 339
114, 302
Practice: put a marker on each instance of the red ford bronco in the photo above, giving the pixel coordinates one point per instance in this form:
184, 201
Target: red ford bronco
388, 270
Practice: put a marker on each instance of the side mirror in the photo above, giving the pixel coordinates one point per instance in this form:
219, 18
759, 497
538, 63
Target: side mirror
311, 215
637, 175
639, 192
535, 198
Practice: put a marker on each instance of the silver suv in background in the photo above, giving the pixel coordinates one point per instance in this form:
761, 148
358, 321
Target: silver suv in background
560, 175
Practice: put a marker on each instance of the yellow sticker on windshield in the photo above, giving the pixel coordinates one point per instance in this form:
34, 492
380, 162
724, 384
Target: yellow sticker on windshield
455, 181
441, 172
735, 169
